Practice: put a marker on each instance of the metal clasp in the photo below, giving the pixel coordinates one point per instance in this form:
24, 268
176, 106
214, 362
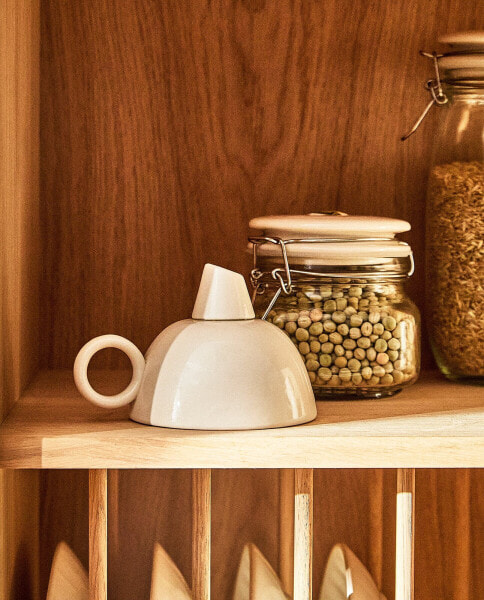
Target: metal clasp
434, 87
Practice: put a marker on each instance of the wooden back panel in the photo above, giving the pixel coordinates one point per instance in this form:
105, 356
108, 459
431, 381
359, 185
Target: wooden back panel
166, 126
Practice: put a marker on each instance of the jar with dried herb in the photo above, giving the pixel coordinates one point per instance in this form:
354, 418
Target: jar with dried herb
455, 210
334, 284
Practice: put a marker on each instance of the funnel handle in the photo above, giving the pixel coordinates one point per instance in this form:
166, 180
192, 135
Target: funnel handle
82, 362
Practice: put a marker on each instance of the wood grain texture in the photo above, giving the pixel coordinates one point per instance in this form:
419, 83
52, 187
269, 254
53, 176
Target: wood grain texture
286, 529
303, 534
19, 197
166, 126
201, 533
405, 535
433, 423
19, 279
98, 534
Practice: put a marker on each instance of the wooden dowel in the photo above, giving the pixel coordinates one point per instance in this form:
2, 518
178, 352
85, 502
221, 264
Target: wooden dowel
404, 557
98, 534
303, 534
286, 529
201, 527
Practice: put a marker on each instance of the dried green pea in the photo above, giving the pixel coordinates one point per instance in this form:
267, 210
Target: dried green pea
312, 376
393, 355
304, 321
374, 316
339, 316
378, 370
389, 323
325, 291
278, 322
339, 350
327, 347
345, 374
349, 354
343, 329
386, 335
302, 335
316, 329
335, 381
371, 354
340, 361
363, 342
374, 380
356, 321
291, 327
325, 360
329, 326
388, 367
381, 345
354, 365
323, 338
324, 373
397, 376
353, 302
359, 353
356, 378
329, 306
355, 333
366, 372
312, 355
366, 328
316, 315
355, 291
292, 316
387, 379
315, 346
365, 362
312, 365
335, 337
394, 344
349, 344
341, 303
382, 358
378, 328
303, 348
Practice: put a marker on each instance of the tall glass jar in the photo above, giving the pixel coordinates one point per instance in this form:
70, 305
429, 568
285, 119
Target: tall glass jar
335, 285
455, 213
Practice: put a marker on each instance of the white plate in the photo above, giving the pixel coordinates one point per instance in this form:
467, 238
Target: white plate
256, 579
167, 583
346, 577
68, 579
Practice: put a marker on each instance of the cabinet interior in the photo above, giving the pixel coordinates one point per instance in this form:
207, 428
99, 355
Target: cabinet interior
139, 139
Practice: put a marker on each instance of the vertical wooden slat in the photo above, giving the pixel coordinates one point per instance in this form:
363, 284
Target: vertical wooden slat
98, 534
286, 529
461, 579
303, 533
201, 533
376, 517
404, 560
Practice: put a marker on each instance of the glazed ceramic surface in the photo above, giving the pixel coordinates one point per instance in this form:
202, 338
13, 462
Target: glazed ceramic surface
256, 579
68, 578
166, 580
230, 372
346, 577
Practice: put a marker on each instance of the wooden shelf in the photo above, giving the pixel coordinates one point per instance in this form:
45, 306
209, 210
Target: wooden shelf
435, 423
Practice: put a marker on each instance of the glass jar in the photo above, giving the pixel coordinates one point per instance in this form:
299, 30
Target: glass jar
335, 285
455, 211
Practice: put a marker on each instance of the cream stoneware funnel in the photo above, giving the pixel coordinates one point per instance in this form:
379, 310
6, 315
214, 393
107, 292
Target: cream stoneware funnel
222, 369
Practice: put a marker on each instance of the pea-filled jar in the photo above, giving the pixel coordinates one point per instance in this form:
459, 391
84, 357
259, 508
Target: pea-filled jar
334, 284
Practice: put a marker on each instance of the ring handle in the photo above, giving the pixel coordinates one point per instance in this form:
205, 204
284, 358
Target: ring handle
82, 362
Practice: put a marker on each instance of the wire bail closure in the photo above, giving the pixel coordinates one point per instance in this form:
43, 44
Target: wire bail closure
285, 285
434, 87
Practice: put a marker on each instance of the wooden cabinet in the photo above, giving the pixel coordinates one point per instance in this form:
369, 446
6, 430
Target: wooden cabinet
138, 138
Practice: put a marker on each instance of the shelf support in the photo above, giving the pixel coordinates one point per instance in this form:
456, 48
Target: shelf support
201, 533
405, 528
303, 534
98, 534
286, 529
